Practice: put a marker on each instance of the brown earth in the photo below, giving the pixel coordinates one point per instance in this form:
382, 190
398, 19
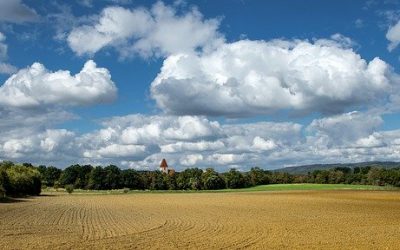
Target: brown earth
259, 220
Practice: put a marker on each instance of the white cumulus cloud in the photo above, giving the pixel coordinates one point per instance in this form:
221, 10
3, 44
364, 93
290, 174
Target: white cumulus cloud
345, 128
157, 31
258, 77
35, 86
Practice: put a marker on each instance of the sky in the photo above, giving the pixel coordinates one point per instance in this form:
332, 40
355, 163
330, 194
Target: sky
222, 84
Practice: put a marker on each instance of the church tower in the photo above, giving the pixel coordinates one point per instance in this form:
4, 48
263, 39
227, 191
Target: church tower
164, 166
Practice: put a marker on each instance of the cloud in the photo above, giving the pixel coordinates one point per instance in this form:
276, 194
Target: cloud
262, 144
184, 141
148, 129
257, 77
158, 31
349, 137
190, 160
34, 101
393, 35
15, 11
48, 145
5, 68
345, 128
199, 146
37, 87
117, 151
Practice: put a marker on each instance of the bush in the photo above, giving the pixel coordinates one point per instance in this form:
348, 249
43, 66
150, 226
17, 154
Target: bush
126, 190
23, 181
69, 188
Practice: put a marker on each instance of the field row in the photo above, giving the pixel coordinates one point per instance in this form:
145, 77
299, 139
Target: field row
303, 219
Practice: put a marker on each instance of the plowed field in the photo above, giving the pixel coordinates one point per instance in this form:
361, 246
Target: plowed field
260, 220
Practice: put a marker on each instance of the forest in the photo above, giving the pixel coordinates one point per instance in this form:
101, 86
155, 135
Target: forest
26, 179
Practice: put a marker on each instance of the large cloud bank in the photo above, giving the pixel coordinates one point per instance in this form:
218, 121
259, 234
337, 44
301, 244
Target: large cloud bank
259, 77
140, 141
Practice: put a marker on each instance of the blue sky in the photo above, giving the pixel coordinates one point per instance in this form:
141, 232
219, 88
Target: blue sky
200, 83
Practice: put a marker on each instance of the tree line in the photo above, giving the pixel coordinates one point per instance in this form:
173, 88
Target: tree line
27, 179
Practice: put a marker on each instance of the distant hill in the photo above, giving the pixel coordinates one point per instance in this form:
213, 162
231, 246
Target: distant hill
304, 169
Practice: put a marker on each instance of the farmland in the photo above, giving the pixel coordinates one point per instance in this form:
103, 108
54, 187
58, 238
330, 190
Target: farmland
284, 219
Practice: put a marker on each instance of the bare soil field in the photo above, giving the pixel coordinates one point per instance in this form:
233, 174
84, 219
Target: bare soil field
341, 219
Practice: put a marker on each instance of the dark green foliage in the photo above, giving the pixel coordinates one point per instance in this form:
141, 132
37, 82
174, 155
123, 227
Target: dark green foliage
196, 179
235, 179
112, 177
76, 175
131, 179
259, 176
97, 178
49, 175
170, 181
212, 180
157, 181
190, 178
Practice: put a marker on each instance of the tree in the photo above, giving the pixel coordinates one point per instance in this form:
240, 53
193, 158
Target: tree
212, 180
258, 176
83, 175
375, 176
76, 175
234, 179
170, 180
112, 177
190, 178
321, 176
50, 175
96, 178
69, 175
132, 179
157, 181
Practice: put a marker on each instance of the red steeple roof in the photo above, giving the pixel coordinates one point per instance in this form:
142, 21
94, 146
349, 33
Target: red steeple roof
163, 164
